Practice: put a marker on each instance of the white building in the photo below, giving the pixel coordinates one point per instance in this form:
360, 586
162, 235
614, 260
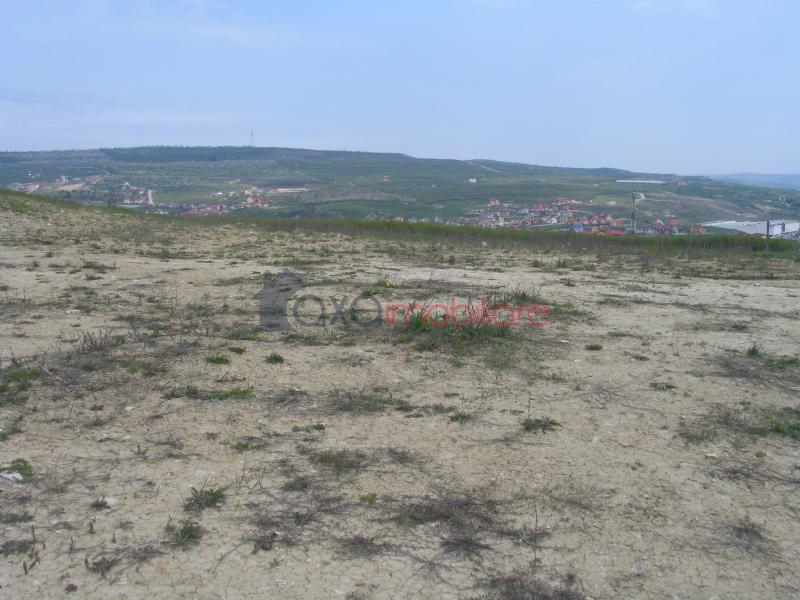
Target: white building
776, 228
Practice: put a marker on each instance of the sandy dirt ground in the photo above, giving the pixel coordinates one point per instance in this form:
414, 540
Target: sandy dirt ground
644, 443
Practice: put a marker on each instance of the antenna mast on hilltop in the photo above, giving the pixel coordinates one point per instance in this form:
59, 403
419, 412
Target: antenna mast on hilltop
251, 138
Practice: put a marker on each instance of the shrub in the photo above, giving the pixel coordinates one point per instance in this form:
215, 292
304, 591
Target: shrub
274, 358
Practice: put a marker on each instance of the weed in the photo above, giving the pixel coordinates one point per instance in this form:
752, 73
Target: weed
236, 281
19, 465
364, 401
190, 391
204, 498
243, 333
465, 544
186, 533
11, 518
100, 504
236, 349
457, 337
523, 585
780, 362
146, 367
14, 380
10, 547
250, 443
525, 536
264, 542
544, 424
699, 436
461, 512
234, 394
785, 422
400, 456
90, 341
309, 428
218, 360
748, 536
297, 484
462, 417
274, 358
360, 546
339, 461
662, 386
102, 566
173, 393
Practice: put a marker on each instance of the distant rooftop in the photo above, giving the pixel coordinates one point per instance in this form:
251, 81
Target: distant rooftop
650, 181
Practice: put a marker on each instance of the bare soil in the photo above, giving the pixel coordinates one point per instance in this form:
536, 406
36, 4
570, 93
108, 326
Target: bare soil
377, 462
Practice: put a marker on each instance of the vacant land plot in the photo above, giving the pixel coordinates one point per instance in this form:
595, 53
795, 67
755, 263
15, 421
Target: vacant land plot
159, 441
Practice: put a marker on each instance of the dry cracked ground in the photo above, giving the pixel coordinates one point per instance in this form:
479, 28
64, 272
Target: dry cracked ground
168, 442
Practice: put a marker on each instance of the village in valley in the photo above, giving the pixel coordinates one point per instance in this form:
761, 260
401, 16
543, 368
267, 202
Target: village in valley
560, 214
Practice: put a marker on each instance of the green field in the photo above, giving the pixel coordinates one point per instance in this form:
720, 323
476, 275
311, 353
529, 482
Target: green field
351, 184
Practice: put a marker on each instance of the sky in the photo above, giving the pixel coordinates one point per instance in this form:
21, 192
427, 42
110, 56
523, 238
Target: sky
666, 86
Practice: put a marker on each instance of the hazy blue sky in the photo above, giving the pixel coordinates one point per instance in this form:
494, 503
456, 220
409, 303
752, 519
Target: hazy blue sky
683, 86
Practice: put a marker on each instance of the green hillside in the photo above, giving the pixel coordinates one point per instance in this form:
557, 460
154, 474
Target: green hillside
352, 184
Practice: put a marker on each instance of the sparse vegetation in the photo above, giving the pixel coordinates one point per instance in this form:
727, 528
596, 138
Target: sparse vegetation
782, 422
339, 462
462, 417
771, 362
204, 498
408, 445
15, 381
18, 465
524, 585
309, 428
184, 534
754, 350
234, 394
274, 358
100, 504
218, 360
250, 443
543, 424
365, 401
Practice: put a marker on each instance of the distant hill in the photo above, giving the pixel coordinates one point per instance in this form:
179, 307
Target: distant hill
371, 184
786, 181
